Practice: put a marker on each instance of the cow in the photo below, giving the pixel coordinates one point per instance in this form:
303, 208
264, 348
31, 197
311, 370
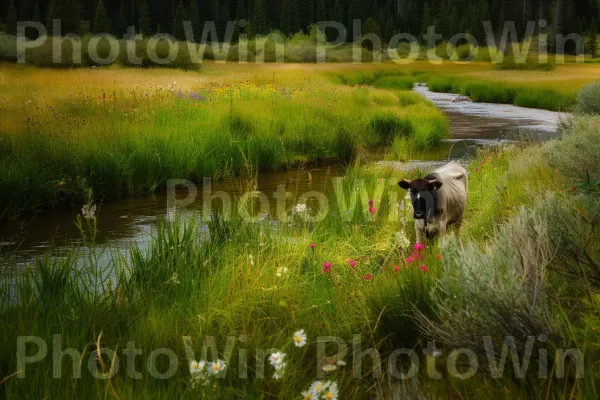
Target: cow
438, 200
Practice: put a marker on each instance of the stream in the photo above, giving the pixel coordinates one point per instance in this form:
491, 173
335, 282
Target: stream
127, 221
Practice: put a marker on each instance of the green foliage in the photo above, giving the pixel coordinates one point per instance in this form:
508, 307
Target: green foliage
11, 18
178, 29
144, 25
588, 99
101, 22
259, 20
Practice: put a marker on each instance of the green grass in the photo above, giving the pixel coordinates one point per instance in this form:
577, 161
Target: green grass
127, 141
482, 91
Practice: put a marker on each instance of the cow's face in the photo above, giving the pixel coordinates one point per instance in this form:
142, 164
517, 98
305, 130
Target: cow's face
420, 191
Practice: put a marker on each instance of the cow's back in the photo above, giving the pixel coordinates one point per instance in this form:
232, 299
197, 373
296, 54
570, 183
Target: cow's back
453, 193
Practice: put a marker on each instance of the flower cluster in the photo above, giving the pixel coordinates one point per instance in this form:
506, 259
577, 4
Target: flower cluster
372, 209
318, 390
201, 371
418, 256
88, 211
276, 360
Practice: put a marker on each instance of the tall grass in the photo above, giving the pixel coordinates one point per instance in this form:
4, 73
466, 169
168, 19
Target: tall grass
124, 139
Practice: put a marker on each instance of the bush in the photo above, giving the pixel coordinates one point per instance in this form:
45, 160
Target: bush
577, 154
497, 291
588, 99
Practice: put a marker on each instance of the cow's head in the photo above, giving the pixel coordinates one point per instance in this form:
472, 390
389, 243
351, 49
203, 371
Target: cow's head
422, 194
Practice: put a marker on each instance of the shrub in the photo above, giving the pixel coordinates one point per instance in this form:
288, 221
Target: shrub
588, 99
577, 154
497, 291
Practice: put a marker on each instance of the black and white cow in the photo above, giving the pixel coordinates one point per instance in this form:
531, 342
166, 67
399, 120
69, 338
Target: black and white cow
438, 200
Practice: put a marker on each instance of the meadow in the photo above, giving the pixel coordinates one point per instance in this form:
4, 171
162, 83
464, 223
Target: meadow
524, 265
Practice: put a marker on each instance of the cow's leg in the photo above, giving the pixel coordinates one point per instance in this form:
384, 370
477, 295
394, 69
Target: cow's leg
420, 230
457, 225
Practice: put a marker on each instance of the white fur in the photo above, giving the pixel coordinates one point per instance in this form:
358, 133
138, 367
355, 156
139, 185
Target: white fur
452, 199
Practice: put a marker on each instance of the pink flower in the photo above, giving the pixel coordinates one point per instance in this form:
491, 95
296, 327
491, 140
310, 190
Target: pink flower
476, 169
326, 267
371, 203
372, 210
424, 268
351, 262
312, 245
409, 260
438, 257
367, 277
396, 268
414, 256
419, 247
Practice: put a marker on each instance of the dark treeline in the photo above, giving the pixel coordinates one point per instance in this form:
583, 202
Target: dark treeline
385, 17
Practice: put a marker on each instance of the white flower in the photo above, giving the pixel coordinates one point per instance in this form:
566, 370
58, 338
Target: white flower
300, 338
329, 367
318, 386
216, 368
197, 367
331, 392
309, 395
276, 359
401, 239
281, 271
88, 211
300, 209
341, 363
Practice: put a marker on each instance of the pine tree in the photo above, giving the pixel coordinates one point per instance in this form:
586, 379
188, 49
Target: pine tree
321, 11
101, 24
70, 13
305, 10
427, 18
122, 26
370, 27
259, 21
178, 31
295, 16
286, 19
593, 39
53, 13
240, 13
144, 25
195, 19
11, 18
389, 29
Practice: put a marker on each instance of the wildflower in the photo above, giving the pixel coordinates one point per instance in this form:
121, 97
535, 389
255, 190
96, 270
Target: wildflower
419, 247
216, 368
326, 267
372, 210
332, 392
396, 268
401, 239
367, 277
276, 358
409, 260
300, 209
424, 268
329, 367
317, 387
351, 263
312, 245
197, 370
300, 338
371, 203
341, 363
309, 395
281, 271
439, 257
88, 211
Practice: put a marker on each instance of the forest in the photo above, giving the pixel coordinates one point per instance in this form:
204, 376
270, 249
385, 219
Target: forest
386, 17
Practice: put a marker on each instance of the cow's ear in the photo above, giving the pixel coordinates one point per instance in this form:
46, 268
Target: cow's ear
434, 185
404, 184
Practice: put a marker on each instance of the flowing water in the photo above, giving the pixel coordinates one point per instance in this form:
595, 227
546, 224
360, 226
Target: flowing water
123, 222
